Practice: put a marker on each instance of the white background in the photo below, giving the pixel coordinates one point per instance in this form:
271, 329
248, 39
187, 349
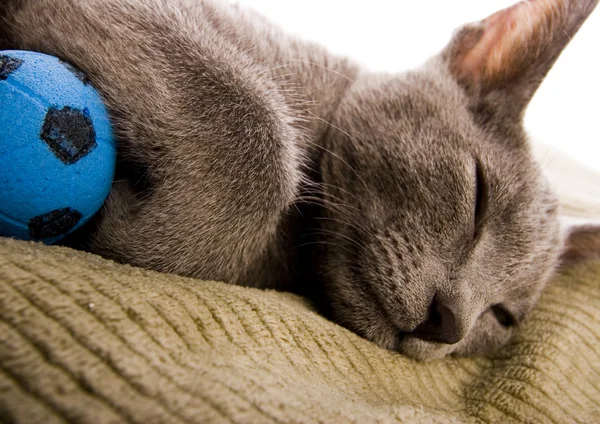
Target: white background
394, 35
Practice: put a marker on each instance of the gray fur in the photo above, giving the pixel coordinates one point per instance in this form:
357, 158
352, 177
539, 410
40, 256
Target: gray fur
251, 157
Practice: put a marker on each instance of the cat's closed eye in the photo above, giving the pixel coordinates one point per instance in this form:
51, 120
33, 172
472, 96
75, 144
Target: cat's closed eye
481, 195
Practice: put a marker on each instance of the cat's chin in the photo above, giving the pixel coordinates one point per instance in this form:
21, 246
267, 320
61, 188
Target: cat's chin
423, 350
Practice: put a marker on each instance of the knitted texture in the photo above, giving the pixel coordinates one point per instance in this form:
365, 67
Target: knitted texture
83, 339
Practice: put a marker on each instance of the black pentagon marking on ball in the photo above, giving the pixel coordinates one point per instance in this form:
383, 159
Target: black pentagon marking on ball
69, 133
8, 65
53, 224
81, 76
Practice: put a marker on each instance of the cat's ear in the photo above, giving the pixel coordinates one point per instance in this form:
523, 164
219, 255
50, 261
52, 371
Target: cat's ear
581, 244
507, 55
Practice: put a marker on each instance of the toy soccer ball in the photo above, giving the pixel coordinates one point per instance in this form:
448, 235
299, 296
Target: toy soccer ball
57, 151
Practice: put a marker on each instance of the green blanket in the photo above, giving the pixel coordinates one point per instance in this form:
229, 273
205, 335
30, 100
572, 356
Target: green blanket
87, 340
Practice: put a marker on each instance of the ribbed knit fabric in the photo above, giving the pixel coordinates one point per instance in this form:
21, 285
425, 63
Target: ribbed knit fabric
83, 339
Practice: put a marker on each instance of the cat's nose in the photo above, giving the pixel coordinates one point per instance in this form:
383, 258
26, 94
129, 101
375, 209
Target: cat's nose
441, 324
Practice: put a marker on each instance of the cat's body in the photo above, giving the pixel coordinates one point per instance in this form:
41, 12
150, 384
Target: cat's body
406, 203
191, 84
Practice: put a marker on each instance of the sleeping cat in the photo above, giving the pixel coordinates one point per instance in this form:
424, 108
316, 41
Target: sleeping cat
406, 206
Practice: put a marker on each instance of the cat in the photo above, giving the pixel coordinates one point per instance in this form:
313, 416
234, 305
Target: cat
405, 206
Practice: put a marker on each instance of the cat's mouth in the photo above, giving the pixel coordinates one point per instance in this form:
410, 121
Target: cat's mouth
400, 336
420, 349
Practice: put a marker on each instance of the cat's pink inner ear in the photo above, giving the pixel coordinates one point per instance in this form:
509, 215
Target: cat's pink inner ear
501, 47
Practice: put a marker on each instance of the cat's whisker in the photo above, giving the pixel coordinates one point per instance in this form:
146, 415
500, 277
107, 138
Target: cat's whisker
327, 204
337, 247
281, 66
327, 196
320, 66
321, 231
526, 155
335, 212
355, 226
540, 167
335, 187
287, 75
332, 153
321, 242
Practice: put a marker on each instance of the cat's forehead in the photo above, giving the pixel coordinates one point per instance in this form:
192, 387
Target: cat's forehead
428, 109
420, 106
424, 93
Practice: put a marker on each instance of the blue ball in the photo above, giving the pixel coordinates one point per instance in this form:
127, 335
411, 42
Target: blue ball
57, 150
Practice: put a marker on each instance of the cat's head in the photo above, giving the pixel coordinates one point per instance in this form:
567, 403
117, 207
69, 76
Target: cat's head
444, 229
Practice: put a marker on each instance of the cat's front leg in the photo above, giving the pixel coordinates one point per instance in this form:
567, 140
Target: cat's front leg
208, 159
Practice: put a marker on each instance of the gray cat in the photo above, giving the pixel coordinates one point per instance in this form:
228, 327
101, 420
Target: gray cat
406, 206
